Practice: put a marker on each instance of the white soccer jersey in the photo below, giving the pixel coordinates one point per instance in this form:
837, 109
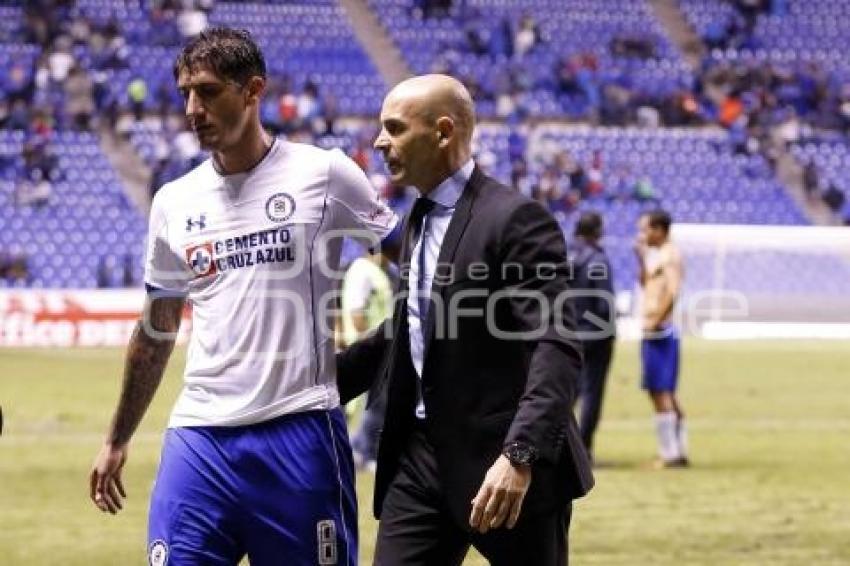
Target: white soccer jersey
253, 252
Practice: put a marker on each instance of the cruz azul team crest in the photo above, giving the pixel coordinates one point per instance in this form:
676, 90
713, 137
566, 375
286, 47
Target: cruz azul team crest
158, 553
200, 260
280, 207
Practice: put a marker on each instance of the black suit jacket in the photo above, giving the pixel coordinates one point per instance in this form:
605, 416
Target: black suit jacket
503, 254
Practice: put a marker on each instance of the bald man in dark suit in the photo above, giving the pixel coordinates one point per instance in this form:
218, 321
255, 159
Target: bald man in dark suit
479, 446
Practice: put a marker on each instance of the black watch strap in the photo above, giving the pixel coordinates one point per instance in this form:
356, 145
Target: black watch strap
520, 453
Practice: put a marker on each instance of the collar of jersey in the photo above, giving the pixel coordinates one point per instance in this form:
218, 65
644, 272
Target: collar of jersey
243, 174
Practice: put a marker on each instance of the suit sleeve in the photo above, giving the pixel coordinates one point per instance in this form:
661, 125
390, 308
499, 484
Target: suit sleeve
360, 365
539, 304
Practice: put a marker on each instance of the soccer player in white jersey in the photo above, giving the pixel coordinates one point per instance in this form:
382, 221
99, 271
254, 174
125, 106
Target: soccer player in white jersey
256, 459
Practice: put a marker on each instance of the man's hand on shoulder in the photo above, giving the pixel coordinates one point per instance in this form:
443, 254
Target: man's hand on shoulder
105, 486
499, 500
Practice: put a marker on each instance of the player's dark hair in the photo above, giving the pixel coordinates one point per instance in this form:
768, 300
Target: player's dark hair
659, 219
230, 53
589, 226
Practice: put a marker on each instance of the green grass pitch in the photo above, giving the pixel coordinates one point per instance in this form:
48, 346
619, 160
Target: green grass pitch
770, 443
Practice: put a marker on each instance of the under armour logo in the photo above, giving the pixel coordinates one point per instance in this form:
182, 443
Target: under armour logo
200, 223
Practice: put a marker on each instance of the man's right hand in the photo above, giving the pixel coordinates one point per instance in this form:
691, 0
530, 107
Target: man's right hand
105, 487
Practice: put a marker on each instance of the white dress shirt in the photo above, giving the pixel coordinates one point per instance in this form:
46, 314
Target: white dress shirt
423, 262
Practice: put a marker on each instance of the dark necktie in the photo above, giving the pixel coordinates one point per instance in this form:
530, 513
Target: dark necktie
421, 208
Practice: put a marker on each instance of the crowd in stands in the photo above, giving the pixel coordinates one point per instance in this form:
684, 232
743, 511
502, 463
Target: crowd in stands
722, 91
735, 29
765, 106
60, 77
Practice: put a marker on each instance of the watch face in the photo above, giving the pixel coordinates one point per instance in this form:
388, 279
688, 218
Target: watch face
520, 454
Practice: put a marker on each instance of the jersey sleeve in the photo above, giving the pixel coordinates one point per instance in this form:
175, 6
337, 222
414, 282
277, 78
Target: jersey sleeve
164, 270
355, 202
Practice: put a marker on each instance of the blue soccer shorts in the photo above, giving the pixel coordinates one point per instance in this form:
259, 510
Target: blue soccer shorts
280, 492
660, 361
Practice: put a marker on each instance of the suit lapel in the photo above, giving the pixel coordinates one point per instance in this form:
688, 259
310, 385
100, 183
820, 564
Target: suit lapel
460, 219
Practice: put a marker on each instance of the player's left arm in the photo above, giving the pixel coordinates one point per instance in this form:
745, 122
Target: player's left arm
358, 208
533, 239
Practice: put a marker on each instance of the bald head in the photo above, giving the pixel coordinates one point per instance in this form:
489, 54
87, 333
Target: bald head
432, 97
426, 130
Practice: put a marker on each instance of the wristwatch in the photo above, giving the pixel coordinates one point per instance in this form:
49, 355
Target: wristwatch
520, 453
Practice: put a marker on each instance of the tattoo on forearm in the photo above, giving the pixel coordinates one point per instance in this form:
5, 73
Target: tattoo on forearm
147, 356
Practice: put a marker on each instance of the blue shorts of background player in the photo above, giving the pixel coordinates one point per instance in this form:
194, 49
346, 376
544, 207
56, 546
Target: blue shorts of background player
660, 361
280, 492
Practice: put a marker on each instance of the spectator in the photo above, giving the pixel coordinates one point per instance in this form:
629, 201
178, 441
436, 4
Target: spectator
19, 116
330, 113
595, 185
17, 269
517, 142
186, 146
34, 192
527, 36
80, 31
431, 8
165, 100
137, 92
630, 46
476, 34
40, 168
309, 106
60, 61
572, 169
116, 54
79, 90
191, 22
502, 41
566, 70
520, 179
106, 268
164, 28
750, 10
269, 110
18, 83
644, 191
834, 198
731, 110
616, 105
811, 178
42, 123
